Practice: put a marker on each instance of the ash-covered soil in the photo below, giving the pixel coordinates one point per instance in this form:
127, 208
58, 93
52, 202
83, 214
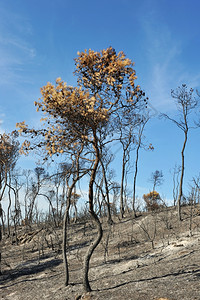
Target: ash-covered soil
151, 257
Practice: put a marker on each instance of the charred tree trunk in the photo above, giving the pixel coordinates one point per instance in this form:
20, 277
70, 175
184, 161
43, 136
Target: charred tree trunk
66, 218
181, 178
110, 221
122, 187
65, 223
90, 251
94, 217
8, 211
140, 134
134, 179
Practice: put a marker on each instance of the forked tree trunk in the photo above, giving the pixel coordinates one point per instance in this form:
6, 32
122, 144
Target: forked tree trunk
95, 218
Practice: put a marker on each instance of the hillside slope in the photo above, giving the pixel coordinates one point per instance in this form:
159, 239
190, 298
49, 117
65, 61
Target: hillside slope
151, 257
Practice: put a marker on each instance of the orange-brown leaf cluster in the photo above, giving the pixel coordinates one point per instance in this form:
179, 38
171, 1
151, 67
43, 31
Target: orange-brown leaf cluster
106, 85
152, 201
106, 71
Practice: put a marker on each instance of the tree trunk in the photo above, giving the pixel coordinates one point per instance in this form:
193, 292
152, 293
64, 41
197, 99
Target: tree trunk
95, 218
65, 223
75, 206
110, 221
135, 177
8, 211
90, 251
181, 178
122, 188
140, 133
2, 228
64, 245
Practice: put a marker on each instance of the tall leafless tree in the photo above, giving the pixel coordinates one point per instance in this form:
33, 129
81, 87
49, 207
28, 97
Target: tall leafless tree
126, 140
138, 144
186, 103
156, 178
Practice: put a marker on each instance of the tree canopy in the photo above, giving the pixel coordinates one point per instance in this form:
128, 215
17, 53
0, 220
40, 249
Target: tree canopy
105, 92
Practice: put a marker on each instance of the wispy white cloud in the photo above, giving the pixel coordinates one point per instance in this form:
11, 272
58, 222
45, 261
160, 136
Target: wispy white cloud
18, 44
17, 56
165, 61
16, 50
162, 58
13, 59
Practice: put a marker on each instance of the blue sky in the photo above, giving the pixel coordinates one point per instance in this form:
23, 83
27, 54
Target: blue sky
40, 39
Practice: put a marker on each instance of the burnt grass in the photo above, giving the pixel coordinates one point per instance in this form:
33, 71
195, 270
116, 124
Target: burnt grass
154, 256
